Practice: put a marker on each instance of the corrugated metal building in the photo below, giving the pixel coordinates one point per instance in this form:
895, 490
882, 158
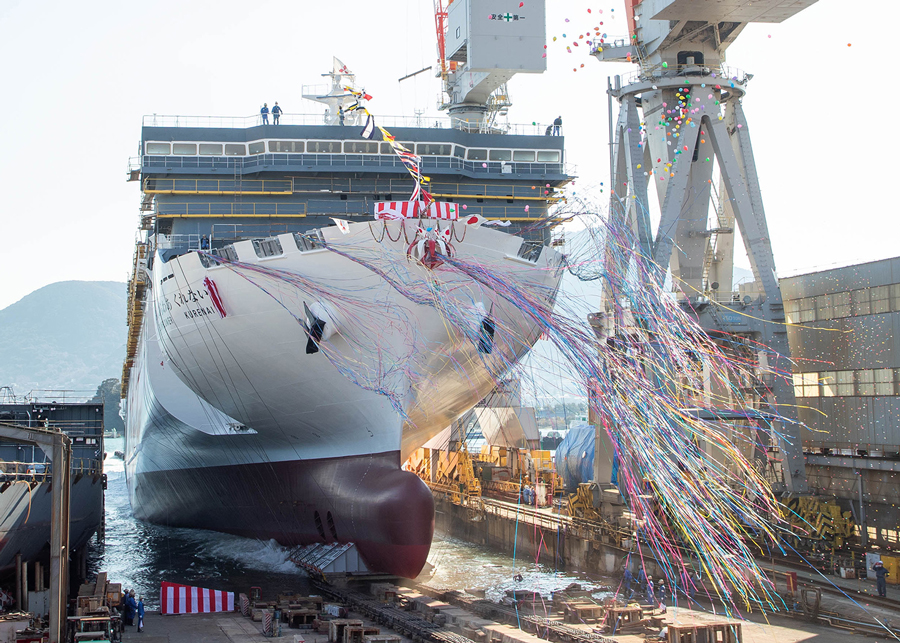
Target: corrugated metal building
845, 340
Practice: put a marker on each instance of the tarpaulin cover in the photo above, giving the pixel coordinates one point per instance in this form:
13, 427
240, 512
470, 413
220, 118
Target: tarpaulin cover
575, 456
184, 599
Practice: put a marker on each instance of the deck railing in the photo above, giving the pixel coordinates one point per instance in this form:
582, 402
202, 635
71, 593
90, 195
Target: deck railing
433, 122
151, 163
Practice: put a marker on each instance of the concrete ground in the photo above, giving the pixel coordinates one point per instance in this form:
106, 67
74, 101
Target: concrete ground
197, 628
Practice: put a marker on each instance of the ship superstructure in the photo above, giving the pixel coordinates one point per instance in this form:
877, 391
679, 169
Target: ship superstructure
287, 346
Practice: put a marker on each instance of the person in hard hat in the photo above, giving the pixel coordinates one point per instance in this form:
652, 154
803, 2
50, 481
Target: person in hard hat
627, 579
881, 573
651, 597
557, 125
276, 113
264, 112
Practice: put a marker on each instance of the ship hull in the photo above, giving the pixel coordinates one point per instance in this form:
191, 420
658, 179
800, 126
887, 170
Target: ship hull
367, 500
235, 425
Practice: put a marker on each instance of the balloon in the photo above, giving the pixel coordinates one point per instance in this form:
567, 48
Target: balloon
484, 165
665, 65
526, 208
465, 207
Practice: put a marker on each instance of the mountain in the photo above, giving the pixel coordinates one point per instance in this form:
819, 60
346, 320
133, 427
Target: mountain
68, 335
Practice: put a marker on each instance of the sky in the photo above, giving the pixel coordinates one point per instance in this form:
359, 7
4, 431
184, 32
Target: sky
78, 77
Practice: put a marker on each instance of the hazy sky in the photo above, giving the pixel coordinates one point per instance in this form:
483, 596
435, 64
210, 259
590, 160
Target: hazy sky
78, 76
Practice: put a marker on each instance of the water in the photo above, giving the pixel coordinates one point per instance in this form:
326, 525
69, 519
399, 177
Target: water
141, 555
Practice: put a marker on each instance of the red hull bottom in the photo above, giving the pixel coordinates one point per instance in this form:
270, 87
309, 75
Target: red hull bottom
366, 500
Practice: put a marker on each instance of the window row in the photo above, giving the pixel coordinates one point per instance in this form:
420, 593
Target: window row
867, 382
867, 301
349, 147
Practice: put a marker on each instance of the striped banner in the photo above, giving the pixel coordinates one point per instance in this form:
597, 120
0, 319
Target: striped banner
185, 599
410, 210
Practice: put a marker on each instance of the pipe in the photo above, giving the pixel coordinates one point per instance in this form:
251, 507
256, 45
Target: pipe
19, 582
863, 529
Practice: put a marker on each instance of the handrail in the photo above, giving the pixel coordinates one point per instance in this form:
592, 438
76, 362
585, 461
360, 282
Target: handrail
215, 210
418, 122
730, 75
342, 185
272, 161
217, 186
14, 470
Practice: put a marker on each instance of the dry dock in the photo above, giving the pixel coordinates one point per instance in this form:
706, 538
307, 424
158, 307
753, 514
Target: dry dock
415, 616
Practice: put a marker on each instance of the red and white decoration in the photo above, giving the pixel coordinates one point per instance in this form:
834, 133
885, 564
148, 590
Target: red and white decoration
185, 599
412, 209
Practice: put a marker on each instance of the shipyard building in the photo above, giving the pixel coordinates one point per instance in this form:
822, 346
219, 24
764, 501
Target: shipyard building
844, 336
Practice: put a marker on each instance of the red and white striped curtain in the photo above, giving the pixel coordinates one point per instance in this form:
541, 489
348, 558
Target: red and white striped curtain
411, 209
185, 599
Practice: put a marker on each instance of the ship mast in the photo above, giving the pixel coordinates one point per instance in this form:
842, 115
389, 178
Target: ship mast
680, 117
479, 50
335, 96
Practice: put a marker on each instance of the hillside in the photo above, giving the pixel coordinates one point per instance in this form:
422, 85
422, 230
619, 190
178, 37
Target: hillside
68, 335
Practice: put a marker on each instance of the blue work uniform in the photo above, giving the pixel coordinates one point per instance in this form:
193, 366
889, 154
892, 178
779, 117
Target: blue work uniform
880, 581
265, 115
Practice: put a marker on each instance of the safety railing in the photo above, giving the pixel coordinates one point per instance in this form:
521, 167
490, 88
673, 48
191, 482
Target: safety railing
418, 122
538, 191
173, 210
67, 396
217, 186
728, 76
354, 161
12, 471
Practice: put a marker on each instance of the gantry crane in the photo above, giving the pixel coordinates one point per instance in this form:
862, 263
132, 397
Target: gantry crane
680, 117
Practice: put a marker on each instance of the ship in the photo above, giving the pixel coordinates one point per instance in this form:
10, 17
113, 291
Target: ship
289, 342
26, 476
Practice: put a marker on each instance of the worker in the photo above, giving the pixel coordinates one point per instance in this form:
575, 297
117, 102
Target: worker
140, 613
651, 597
557, 125
880, 581
204, 242
627, 577
642, 579
264, 112
341, 114
276, 113
130, 608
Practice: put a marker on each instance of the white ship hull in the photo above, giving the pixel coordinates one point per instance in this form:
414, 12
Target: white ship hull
257, 436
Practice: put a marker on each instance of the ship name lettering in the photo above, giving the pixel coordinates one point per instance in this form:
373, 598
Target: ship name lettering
190, 297
198, 312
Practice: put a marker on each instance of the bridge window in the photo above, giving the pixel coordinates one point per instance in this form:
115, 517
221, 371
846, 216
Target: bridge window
286, 146
477, 155
501, 155
433, 149
548, 156
523, 156
235, 149
210, 149
258, 147
184, 149
360, 147
459, 151
387, 149
158, 148
324, 147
